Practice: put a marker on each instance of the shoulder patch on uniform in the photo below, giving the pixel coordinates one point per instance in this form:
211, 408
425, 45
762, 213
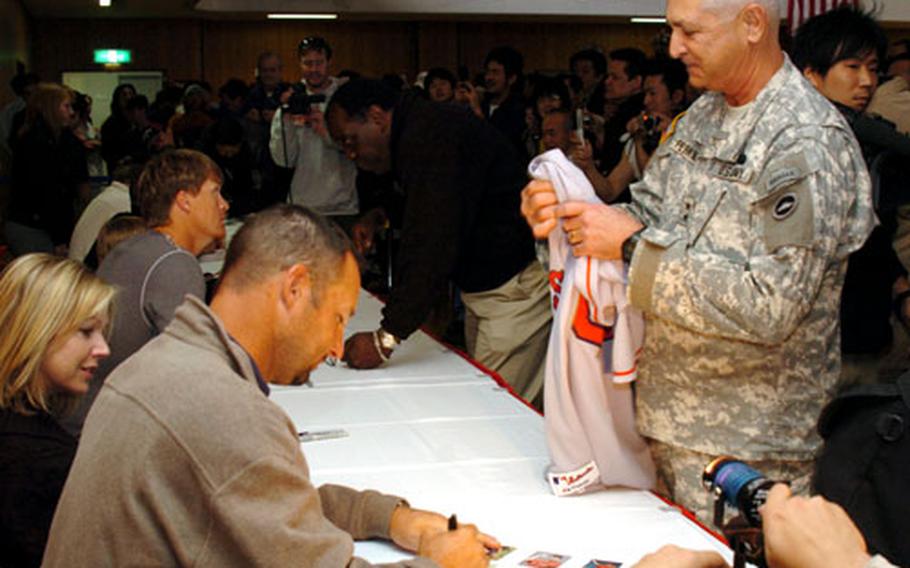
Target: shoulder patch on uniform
787, 216
785, 173
784, 206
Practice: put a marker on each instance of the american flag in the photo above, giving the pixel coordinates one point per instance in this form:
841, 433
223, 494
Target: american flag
798, 11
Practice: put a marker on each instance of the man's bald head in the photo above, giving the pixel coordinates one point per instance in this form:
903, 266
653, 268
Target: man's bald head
728, 46
277, 238
772, 7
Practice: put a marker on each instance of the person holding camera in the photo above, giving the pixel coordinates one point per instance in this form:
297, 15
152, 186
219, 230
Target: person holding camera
324, 179
664, 98
799, 532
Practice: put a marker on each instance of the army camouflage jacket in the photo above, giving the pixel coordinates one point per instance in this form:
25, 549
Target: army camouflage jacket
750, 219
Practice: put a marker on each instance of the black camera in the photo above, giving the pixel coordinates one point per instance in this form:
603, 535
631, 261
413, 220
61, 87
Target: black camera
736, 484
300, 102
739, 485
651, 133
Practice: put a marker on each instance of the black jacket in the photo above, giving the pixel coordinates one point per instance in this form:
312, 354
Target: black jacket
871, 271
45, 176
462, 222
35, 458
509, 118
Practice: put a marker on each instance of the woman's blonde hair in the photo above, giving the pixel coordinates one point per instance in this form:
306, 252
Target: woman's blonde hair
44, 106
42, 298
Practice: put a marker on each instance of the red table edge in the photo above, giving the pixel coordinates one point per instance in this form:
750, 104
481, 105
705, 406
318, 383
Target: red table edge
502, 383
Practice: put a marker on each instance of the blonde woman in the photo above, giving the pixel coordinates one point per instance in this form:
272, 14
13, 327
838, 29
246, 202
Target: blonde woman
49, 171
54, 314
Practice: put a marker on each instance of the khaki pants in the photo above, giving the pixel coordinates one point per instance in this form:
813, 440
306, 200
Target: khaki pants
507, 329
679, 477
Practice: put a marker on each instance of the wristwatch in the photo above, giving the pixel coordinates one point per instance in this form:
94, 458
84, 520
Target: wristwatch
386, 339
628, 245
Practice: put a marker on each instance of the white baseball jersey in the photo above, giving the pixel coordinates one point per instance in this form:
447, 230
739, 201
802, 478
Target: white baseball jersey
591, 359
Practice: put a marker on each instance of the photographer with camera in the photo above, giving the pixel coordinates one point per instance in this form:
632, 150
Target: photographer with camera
665, 97
799, 532
324, 180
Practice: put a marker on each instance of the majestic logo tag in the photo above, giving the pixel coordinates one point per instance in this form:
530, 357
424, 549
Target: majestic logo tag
785, 206
573, 482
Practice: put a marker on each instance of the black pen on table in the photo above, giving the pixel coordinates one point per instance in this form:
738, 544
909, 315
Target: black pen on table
453, 523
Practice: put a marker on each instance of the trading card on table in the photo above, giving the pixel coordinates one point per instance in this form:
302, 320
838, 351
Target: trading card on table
595, 563
544, 560
501, 553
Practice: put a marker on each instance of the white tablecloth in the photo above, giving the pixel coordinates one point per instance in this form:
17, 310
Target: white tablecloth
432, 428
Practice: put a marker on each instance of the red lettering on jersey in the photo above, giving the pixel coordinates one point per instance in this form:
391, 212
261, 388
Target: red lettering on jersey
587, 330
556, 285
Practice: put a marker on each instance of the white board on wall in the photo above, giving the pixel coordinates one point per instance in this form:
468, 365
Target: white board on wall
100, 86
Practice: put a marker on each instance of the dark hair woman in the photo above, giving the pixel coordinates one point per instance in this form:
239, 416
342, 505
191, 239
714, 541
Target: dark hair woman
117, 132
49, 171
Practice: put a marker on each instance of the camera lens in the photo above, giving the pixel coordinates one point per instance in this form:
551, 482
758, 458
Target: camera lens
740, 485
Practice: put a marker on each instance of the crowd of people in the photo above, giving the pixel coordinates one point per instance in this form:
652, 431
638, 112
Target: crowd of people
756, 198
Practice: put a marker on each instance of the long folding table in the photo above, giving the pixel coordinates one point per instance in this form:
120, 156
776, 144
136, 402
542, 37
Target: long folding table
433, 428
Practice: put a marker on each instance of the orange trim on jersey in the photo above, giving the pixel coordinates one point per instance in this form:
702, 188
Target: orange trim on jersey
626, 373
634, 368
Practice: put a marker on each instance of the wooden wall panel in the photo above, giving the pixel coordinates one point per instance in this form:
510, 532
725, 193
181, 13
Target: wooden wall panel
230, 48
548, 46
437, 45
15, 30
216, 50
172, 46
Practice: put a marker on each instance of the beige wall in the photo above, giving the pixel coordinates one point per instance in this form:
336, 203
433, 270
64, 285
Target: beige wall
15, 30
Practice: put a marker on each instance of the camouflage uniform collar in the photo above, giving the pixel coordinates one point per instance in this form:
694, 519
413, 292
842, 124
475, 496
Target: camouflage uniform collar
730, 145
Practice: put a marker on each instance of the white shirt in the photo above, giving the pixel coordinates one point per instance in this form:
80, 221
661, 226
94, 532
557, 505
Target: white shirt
324, 178
114, 199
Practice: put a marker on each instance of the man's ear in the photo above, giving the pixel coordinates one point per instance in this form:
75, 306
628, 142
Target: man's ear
380, 116
638, 81
182, 200
296, 286
755, 19
814, 77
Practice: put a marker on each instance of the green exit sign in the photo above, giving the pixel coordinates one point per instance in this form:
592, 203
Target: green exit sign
113, 56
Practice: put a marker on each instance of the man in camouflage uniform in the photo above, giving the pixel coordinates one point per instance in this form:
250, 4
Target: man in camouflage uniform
737, 240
